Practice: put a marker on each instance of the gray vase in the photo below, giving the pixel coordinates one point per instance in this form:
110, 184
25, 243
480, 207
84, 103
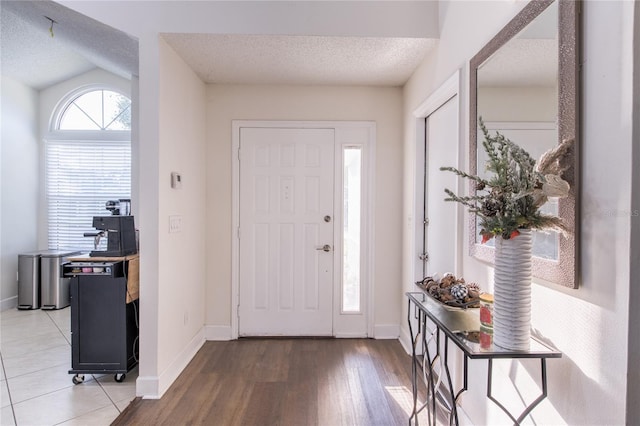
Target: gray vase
512, 292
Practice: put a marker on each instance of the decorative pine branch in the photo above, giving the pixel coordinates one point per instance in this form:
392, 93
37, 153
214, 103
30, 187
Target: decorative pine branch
465, 175
516, 189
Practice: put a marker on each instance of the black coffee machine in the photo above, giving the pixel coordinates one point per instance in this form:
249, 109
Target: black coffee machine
119, 229
121, 206
121, 236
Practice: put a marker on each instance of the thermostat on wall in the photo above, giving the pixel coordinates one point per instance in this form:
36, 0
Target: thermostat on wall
176, 180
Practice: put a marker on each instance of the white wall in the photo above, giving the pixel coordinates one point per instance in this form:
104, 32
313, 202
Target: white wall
534, 104
180, 285
589, 325
633, 373
382, 105
19, 177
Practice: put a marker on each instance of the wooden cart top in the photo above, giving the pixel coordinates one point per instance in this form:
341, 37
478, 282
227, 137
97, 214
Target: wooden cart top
84, 257
133, 270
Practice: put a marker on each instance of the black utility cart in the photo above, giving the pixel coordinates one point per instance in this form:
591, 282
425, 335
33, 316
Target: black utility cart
104, 315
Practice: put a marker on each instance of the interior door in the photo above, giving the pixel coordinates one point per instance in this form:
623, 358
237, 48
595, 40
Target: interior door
441, 149
286, 231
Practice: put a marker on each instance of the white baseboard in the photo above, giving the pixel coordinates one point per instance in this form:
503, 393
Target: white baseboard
405, 340
386, 331
147, 387
153, 387
217, 332
350, 336
9, 303
223, 333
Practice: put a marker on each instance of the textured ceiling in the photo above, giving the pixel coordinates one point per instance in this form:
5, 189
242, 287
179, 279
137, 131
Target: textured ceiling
269, 59
29, 54
530, 59
522, 63
32, 56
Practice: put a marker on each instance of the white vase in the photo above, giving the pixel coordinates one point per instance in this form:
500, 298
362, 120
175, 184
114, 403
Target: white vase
512, 292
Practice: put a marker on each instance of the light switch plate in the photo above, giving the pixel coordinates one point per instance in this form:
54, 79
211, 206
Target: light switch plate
176, 180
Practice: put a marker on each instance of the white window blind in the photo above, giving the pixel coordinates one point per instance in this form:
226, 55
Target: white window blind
81, 176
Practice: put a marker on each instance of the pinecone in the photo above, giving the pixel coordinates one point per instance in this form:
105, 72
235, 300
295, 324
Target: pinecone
490, 207
473, 291
434, 291
473, 286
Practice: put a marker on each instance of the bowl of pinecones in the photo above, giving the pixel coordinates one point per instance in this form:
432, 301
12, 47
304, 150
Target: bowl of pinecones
451, 291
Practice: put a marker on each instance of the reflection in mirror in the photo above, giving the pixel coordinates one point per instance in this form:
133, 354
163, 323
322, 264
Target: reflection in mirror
536, 138
524, 84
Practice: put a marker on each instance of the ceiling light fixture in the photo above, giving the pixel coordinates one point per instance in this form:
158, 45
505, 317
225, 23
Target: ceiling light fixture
51, 27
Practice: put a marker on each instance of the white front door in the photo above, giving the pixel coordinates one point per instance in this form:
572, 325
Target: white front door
286, 231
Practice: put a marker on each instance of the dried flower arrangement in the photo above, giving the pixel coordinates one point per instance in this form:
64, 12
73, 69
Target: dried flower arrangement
511, 198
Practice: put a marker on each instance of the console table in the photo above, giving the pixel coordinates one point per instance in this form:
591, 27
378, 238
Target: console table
461, 327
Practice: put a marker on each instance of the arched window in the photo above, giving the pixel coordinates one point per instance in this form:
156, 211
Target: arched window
88, 162
96, 110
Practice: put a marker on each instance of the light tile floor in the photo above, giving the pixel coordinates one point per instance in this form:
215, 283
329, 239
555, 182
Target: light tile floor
36, 387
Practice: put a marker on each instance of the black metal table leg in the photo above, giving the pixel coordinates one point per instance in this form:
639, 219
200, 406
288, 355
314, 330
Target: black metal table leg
414, 367
420, 335
428, 361
530, 407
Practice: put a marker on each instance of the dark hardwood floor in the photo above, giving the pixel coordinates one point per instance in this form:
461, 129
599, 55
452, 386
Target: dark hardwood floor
322, 382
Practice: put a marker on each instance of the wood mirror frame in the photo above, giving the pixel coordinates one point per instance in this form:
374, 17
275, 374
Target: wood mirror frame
565, 270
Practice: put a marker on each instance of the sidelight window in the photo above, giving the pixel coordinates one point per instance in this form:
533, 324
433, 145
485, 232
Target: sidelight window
352, 227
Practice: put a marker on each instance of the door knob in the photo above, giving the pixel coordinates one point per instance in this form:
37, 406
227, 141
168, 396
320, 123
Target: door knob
325, 247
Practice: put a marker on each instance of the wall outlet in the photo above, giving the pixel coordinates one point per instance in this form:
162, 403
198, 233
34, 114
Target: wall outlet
175, 224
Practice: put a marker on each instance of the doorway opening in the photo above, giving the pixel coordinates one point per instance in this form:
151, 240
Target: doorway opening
437, 142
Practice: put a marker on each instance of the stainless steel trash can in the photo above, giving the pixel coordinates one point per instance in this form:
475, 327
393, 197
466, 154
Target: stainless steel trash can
54, 287
29, 280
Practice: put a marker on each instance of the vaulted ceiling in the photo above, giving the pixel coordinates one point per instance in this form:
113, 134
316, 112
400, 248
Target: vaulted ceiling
40, 53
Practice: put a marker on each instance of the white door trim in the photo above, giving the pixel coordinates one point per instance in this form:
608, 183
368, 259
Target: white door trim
348, 133
440, 96
449, 89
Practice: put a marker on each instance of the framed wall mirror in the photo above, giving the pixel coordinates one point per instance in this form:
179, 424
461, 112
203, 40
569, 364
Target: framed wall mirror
525, 84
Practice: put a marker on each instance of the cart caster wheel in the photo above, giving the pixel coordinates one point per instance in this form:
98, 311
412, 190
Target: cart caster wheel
119, 377
77, 379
